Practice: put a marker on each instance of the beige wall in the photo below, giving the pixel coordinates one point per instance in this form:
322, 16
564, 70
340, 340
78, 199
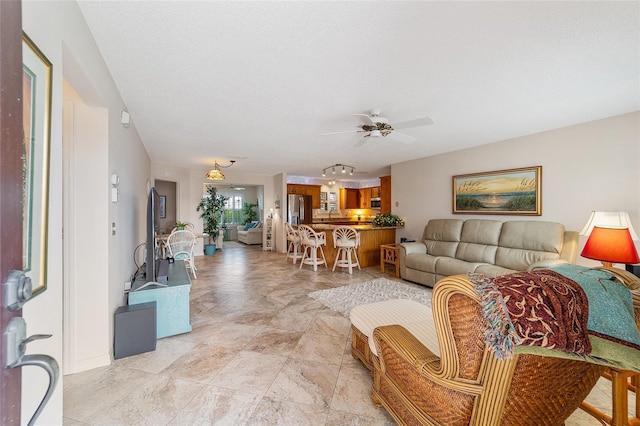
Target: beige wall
590, 166
59, 31
190, 188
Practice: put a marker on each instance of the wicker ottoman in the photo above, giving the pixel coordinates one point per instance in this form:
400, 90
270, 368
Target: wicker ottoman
414, 316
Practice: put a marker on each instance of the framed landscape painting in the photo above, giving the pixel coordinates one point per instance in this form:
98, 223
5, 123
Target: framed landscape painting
513, 191
36, 114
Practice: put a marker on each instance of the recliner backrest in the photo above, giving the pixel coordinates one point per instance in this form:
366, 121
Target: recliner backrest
442, 236
525, 242
479, 240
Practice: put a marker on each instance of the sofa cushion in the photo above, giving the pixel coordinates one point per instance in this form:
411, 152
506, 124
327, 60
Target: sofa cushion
531, 235
493, 270
481, 253
421, 262
441, 236
481, 231
525, 242
479, 241
447, 266
247, 226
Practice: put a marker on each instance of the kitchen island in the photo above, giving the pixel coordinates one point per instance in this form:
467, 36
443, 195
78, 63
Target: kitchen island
371, 237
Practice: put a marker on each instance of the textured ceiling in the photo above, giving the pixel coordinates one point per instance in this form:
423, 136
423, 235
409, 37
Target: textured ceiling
207, 81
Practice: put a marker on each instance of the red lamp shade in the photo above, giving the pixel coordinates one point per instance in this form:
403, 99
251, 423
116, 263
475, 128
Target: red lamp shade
610, 245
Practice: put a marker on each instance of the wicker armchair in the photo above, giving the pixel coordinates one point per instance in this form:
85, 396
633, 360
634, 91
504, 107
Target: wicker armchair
467, 384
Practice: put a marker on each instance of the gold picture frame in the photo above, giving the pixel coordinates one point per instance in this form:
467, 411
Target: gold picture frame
506, 192
36, 90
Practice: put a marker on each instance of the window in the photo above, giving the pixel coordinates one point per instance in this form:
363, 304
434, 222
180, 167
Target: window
233, 209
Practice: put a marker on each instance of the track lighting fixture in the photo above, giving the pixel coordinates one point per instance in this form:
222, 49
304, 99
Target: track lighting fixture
345, 167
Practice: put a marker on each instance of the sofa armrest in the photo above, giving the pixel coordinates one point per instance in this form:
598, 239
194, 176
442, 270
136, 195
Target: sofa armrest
411, 248
546, 264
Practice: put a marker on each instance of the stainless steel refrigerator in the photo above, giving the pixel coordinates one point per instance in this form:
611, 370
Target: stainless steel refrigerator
299, 209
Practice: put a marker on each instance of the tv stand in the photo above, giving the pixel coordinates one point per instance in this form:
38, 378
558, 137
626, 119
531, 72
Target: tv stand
172, 299
162, 270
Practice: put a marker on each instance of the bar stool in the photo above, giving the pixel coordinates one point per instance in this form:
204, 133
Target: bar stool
312, 242
346, 240
293, 243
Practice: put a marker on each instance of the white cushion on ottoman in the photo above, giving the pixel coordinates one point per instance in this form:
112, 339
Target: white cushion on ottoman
415, 317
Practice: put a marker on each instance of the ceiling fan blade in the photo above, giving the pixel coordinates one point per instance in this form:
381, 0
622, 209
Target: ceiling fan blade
401, 137
365, 119
412, 123
339, 133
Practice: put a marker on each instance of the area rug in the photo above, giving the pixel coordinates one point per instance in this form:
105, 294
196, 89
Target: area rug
343, 299
232, 244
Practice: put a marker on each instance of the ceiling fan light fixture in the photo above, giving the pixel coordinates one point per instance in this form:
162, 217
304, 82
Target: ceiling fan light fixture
375, 133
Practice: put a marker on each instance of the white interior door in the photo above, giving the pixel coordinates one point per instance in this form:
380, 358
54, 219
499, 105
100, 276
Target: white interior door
86, 237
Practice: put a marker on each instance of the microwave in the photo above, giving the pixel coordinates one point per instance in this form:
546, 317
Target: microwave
375, 203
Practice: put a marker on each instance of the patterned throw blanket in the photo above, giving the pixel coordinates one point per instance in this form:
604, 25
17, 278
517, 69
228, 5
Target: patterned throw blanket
555, 309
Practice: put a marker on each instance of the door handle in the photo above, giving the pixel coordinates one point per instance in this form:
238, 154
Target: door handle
15, 346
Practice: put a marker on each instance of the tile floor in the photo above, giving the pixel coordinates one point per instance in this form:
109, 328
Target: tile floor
261, 353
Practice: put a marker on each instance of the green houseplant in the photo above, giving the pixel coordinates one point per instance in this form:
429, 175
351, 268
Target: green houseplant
181, 225
211, 208
249, 213
388, 219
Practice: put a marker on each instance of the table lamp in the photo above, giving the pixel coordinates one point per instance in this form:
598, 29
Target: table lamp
609, 220
610, 245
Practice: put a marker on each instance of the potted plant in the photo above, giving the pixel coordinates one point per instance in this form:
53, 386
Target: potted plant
249, 213
388, 219
181, 225
211, 207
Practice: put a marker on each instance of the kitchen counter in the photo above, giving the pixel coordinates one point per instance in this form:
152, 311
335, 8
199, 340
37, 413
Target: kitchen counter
359, 226
371, 237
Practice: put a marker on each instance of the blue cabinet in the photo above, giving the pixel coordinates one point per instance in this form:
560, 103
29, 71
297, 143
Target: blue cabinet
172, 301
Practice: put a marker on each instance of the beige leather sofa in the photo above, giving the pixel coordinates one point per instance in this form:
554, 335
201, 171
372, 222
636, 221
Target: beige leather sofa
251, 235
491, 247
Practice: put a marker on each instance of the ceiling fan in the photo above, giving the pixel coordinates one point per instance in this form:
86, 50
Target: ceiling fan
375, 126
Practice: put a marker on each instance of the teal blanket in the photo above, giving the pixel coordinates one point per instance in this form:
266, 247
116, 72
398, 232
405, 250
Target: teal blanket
610, 304
568, 312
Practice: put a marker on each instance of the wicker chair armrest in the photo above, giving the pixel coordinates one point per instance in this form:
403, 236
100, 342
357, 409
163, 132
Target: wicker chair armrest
402, 344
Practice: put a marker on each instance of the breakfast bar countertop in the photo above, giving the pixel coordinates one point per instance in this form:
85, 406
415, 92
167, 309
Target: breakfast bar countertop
359, 227
371, 237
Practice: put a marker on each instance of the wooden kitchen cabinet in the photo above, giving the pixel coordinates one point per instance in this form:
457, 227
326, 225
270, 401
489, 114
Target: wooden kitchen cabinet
366, 194
314, 192
349, 198
295, 189
310, 190
365, 198
385, 194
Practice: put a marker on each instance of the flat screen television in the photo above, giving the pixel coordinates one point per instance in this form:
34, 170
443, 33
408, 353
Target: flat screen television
150, 261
